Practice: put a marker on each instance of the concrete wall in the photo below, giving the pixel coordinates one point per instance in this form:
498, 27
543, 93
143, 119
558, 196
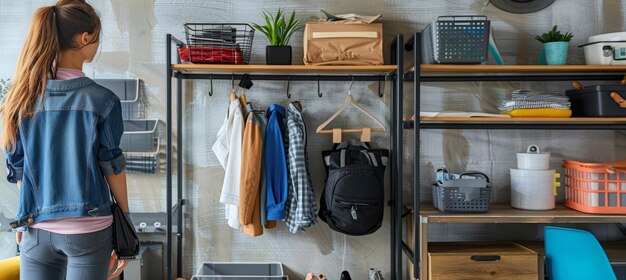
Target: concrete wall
133, 45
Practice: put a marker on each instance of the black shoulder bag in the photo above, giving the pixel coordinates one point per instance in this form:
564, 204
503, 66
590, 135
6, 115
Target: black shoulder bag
125, 240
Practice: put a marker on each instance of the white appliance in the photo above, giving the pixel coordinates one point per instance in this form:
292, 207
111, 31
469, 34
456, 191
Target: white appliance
606, 49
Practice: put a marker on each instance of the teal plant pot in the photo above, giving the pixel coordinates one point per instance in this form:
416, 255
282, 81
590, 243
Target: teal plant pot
555, 52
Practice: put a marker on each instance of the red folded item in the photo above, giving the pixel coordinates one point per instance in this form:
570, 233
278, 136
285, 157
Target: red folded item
209, 54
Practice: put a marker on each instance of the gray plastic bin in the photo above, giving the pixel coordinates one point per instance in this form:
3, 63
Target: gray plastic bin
140, 136
128, 92
240, 271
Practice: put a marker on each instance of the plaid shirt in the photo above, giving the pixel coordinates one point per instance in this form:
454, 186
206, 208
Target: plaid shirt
301, 207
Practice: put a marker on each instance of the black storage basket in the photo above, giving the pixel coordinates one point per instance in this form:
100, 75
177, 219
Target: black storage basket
218, 43
598, 101
456, 40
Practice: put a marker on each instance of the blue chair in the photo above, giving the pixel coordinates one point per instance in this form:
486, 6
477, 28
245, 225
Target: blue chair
573, 254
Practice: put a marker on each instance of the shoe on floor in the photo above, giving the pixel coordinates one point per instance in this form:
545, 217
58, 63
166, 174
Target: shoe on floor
345, 275
375, 274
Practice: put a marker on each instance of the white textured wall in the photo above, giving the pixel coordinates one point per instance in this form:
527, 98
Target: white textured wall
133, 45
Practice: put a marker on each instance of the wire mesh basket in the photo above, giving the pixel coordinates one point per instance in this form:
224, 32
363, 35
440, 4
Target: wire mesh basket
217, 43
456, 39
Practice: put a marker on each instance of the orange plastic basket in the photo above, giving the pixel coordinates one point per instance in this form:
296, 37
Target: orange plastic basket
596, 188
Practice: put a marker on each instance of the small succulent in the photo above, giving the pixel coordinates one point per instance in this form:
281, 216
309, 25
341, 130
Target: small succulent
554, 36
278, 31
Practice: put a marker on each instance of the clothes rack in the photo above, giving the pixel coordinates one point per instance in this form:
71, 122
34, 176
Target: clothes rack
289, 73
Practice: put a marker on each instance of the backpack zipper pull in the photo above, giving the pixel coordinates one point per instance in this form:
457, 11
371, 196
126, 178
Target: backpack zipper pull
353, 212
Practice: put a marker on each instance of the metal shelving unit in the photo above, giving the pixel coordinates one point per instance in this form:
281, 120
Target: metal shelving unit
180, 72
425, 214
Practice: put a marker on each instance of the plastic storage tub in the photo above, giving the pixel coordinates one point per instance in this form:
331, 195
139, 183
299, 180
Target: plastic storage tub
240, 271
598, 101
595, 187
462, 195
456, 39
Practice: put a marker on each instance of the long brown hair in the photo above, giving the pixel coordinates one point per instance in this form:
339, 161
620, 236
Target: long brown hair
52, 30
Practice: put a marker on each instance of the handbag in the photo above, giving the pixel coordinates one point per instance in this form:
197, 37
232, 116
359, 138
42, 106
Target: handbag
125, 240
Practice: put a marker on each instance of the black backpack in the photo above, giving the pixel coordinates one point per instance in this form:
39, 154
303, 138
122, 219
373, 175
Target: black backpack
353, 200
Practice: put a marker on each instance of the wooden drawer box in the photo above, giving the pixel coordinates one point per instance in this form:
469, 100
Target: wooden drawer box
473, 261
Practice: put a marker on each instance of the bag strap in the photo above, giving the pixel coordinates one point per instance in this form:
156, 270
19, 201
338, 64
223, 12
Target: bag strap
112, 197
346, 144
371, 158
342, 158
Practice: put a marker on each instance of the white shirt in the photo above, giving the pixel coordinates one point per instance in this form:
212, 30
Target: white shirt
227, 148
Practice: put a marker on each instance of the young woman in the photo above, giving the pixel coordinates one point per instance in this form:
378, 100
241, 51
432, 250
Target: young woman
61, 133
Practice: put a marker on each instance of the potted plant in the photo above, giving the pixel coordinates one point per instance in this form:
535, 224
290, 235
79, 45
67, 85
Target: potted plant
278, 32
555, 46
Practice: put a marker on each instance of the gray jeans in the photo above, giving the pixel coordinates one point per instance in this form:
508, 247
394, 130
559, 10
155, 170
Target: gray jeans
47, 255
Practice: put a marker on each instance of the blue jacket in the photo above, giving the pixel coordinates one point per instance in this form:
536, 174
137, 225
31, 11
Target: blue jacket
275, 163
64, 150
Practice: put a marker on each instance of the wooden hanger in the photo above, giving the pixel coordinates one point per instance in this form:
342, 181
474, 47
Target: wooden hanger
365, 132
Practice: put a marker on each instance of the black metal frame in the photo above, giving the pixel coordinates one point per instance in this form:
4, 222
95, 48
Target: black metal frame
417, 125
396, 144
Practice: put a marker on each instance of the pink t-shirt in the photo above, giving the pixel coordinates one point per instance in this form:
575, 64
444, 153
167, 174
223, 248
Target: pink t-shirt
74, 225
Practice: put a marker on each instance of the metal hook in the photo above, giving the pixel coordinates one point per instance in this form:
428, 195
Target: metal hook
319, 93
211, 81
232, 81
380, 93
350, 88
288, 82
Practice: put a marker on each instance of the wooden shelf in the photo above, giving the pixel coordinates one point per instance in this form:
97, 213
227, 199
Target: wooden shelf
525, 69
518, 123
301, 69
499, 213
524, 120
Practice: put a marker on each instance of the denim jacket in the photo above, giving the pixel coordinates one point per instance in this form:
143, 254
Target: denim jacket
64, 150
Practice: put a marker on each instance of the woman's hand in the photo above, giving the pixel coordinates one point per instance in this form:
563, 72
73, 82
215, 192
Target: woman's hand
18, 237
116, 267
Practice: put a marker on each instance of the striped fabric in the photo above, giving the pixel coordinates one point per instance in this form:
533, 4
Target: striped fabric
531, 95
301, 205
508, 105
530, 99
